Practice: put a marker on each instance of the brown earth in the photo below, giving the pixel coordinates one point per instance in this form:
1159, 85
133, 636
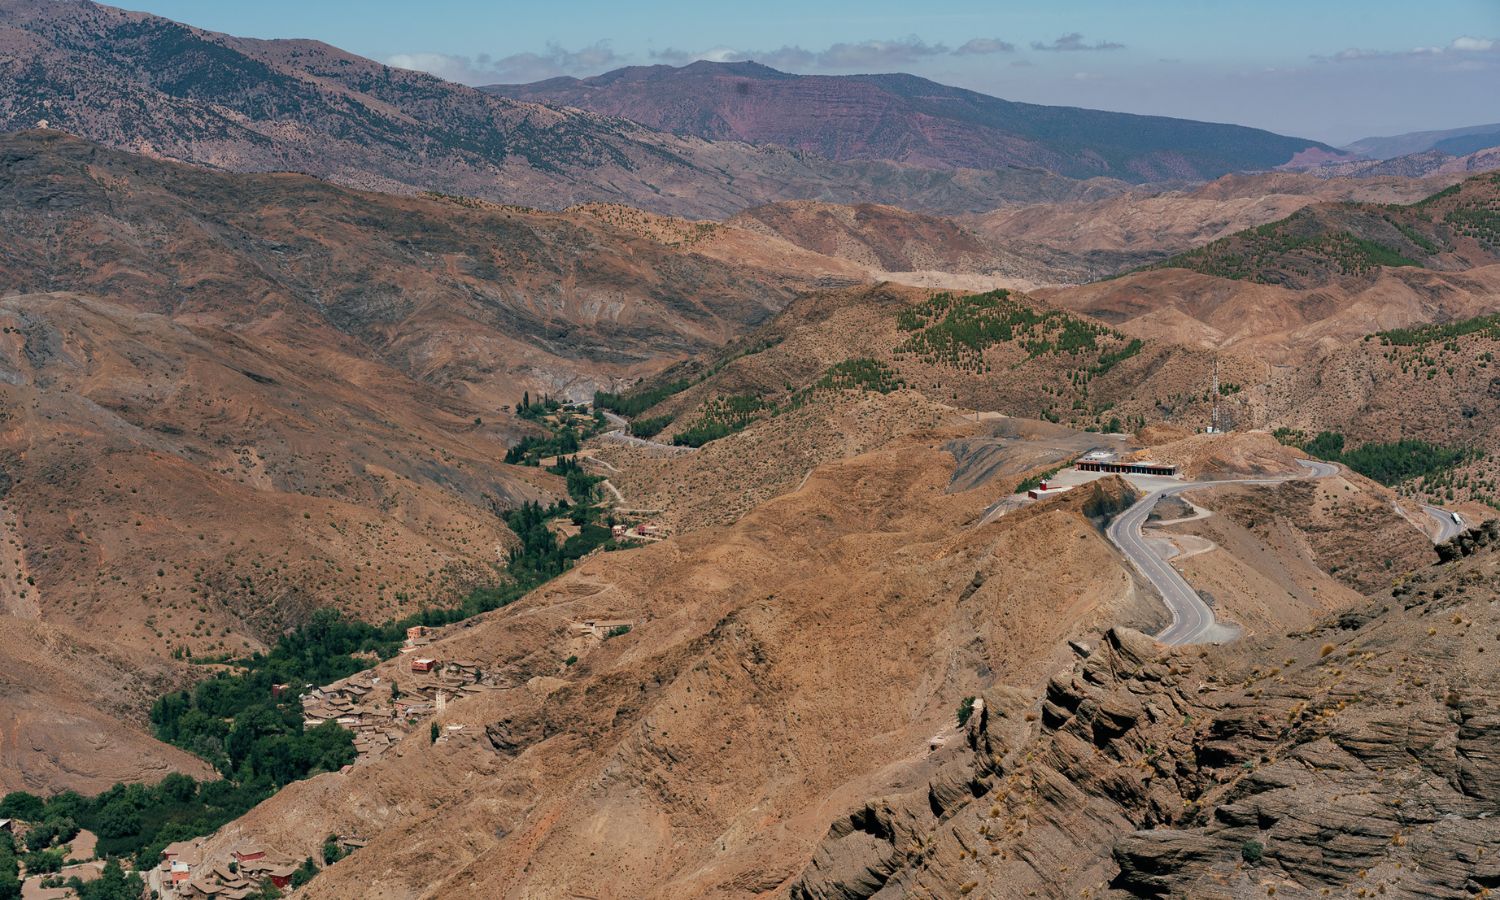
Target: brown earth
1103, 237
71, 714
702, 753
912, 248
1416, 165
480, 300
823, 328
182, 489
1326, 243
1281, 558
1275, 323
728, 477
778, 671
1205, 457
1354, 757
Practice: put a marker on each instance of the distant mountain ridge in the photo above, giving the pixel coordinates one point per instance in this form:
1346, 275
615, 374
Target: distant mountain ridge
149, 85
1452, 141
912, 120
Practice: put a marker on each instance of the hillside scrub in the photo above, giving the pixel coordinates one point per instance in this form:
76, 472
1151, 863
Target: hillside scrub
724, 416
633, 403
1260, 254
1488, 326
1391, 464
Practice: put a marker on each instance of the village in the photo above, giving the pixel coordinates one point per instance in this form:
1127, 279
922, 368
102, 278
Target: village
382, 711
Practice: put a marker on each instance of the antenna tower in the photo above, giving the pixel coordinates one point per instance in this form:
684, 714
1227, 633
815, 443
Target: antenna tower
1214, 425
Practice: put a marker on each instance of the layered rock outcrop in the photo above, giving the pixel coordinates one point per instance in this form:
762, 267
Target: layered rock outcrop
1358, 758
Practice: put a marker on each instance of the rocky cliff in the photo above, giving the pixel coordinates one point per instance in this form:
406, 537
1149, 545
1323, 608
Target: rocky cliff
1357, 757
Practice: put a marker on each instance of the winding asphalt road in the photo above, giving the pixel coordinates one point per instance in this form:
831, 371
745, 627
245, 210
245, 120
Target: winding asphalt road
1447, 528
1192, 620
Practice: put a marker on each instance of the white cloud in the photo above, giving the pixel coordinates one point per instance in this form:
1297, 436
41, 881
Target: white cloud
984, 46
877, 53
842, 56
516, 68
1074, 43
1459, 47
1468, 44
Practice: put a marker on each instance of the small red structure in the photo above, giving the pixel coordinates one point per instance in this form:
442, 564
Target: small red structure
416, 631
423, 664
278, 689
248, 854
281, 876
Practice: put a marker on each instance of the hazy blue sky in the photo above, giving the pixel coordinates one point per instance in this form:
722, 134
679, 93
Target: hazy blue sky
1330, 69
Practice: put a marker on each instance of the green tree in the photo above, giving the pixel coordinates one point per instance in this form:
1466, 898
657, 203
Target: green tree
332, 853
23, 806
304, 873
43, 861
112, 884
40, 837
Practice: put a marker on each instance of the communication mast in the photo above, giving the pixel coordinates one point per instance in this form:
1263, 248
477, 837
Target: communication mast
1213, 427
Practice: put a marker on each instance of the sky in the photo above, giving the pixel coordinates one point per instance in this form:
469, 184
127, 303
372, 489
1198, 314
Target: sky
1332, 70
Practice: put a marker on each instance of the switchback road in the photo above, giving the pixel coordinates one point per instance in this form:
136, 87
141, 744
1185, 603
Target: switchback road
1192, 620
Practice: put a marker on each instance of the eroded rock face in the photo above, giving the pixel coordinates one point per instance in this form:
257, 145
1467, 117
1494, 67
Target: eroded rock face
1360, 756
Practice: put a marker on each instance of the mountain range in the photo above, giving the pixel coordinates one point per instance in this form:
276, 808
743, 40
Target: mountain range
703, 140
915, 121
1452, 141
301, 494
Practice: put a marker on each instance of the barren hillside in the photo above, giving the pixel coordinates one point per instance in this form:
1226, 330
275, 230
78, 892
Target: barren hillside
481, 300
1273, 322
1104, 237
183, 490
775, 670
1455, 229
1352, 757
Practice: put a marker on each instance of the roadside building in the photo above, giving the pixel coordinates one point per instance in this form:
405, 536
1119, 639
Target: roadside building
1127, 467
1046, 490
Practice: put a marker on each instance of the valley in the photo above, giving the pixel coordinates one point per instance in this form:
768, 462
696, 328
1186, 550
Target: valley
713, 480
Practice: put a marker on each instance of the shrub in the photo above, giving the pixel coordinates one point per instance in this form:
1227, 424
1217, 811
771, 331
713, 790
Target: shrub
1251, 851
304, 873
332, 852
965, 710
43, 861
